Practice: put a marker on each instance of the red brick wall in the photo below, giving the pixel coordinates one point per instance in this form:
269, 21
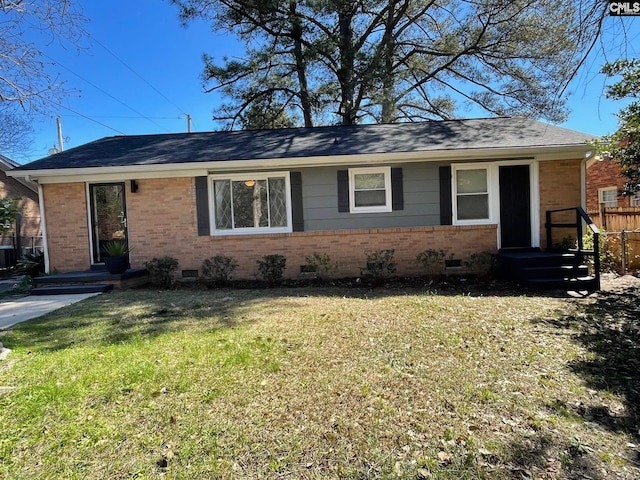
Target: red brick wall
28, 202
348, 248
560, 187
602, 174
162, 221
156, 230
67, 231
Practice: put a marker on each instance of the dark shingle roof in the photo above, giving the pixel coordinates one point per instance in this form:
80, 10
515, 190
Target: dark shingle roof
500, 133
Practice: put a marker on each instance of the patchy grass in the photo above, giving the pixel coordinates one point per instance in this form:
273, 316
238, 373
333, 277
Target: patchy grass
323, 383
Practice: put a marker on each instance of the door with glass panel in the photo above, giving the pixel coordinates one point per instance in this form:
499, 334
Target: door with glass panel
108, 216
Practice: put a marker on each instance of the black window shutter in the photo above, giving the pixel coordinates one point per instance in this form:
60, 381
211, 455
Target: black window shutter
397, 192
202, 206
343, 190
296, 201
446, 212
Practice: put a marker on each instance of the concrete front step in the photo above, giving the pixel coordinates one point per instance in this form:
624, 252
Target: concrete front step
71, 289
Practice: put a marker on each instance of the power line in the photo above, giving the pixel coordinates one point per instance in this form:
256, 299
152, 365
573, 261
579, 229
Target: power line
106, 93
82, 115
124, 117
181, 110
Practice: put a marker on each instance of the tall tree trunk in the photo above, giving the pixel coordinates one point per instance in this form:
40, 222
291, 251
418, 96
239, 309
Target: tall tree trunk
388, 80
346, 72
396, 12
301, 64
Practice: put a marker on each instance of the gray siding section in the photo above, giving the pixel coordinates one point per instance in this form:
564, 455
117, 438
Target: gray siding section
421, 200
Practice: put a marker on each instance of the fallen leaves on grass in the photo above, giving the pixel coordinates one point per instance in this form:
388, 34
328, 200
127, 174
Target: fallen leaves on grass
308, 384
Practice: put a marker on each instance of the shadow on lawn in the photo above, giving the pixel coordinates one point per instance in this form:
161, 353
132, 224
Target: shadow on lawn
113, 319
147, 312
609, 329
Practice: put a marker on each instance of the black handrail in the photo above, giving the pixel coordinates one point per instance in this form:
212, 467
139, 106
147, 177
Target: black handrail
581, 216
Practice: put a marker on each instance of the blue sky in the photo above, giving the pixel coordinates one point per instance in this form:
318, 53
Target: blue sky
139, 74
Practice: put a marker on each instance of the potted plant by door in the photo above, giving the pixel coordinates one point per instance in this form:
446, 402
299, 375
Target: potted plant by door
116, 256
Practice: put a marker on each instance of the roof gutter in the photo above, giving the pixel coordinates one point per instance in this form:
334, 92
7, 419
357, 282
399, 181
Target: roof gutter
23, 180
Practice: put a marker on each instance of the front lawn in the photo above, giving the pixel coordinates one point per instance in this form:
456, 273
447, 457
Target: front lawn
323, 383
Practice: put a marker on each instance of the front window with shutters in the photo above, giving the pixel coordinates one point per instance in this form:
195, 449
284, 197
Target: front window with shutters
370, 190
251, 203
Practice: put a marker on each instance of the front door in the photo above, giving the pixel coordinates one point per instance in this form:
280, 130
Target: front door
108, 216
515, 206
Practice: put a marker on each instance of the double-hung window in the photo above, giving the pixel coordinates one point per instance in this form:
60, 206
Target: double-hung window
370, 190
608, 197
251, 203
635, 200
471, 194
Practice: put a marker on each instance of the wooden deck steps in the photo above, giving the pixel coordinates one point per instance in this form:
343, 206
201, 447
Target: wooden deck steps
546, 270
71, 289
89, 281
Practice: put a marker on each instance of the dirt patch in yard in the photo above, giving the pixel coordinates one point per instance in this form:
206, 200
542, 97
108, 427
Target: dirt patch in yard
613, 283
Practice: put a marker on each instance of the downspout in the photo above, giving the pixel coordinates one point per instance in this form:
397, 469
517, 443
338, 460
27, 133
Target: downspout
583, 184
43, 227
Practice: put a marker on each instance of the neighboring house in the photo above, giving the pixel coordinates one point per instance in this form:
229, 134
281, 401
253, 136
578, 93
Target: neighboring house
605, 184
463, 186
26, 192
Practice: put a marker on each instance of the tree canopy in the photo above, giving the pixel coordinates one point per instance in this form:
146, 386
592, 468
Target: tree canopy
351, 61
624, 144
26, 86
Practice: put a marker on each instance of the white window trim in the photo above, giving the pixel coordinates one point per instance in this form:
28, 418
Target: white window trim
635, 200
493, 180
601, 192
492, 189
387, 185
254, 230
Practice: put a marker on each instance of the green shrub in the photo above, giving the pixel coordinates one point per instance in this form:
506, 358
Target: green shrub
116, 248
610, 251
217, 270
161, 271
380, 265
482, 263
271, 268
431, 260
320, 264
31, 264
565, 244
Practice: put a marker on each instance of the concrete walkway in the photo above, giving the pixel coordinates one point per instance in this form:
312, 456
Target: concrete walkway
8, 283
26, 308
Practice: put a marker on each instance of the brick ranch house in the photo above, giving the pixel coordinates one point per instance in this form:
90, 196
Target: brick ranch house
26, 192
463, 186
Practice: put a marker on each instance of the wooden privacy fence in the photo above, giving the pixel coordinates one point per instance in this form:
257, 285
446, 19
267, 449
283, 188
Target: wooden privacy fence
616, 219
620, 228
